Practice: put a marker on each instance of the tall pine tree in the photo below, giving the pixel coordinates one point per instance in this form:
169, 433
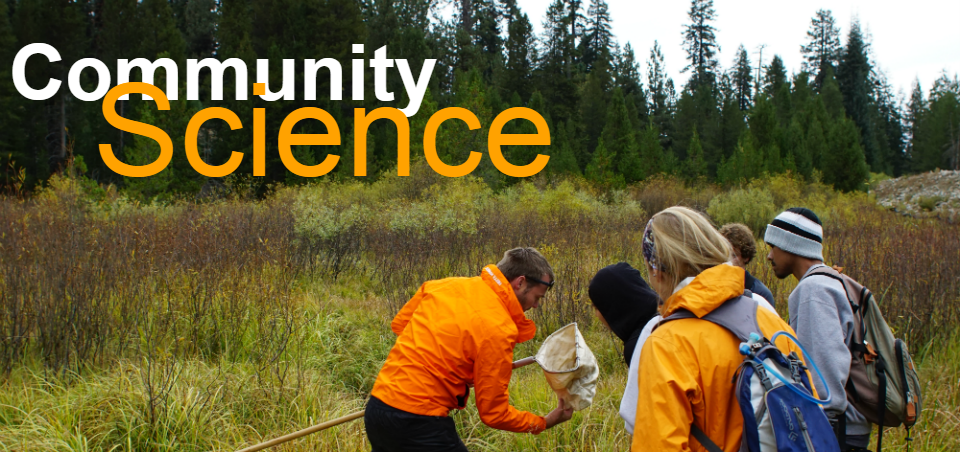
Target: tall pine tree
916, 109
602, 169
554, 74
518, 76
856, 85
774, 77
695, 167
700, 43
63, 26
13, 149
158, 31
620, 138
938, 132
888, 126
565, 161
595, 103
662, 96
651, 153
742, 79
822, 49
628, 80
598, 38
844, 165
200, 28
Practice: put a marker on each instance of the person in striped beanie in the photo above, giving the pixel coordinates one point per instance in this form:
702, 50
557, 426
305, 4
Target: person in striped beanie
820, 314
797, 231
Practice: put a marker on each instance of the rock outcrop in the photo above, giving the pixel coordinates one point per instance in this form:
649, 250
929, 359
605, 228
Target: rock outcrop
933, 194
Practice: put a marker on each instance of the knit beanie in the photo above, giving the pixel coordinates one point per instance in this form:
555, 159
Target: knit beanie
797, 230
627, 303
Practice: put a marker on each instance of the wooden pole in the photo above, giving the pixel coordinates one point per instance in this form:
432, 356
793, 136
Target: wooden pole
305, 432
316, 428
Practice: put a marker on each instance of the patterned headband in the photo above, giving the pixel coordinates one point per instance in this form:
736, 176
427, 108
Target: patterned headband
648, 249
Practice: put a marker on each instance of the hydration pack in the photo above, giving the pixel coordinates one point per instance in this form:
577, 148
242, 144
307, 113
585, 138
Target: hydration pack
779, 410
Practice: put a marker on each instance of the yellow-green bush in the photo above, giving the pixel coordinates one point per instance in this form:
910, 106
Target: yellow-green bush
753, 207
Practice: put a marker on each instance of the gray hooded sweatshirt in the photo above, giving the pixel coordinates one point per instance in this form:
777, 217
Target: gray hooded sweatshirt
821, 315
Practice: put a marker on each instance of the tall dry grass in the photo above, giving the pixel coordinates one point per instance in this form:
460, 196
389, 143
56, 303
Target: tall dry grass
189, 326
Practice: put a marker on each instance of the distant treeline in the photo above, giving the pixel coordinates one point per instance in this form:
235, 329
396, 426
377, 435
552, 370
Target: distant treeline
836, 121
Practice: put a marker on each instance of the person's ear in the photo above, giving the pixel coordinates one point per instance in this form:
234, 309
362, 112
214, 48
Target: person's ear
517, 283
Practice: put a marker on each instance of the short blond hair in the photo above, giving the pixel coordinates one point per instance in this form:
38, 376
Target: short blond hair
686, 243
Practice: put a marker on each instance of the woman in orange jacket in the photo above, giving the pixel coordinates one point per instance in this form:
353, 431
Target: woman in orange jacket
687, 366
453, 334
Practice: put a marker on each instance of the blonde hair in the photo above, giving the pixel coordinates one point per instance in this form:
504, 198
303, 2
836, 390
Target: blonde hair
686, 244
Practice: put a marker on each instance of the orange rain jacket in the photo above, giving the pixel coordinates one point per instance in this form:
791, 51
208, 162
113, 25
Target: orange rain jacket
687, 367
456, 331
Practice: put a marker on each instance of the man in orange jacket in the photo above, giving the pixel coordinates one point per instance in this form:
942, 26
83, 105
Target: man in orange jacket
453, 334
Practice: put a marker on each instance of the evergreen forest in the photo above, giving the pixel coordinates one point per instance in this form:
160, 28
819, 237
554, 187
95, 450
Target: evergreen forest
615, 115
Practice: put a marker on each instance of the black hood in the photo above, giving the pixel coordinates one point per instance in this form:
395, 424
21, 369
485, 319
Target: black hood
625, 300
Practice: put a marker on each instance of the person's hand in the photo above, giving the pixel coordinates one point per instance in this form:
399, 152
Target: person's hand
559, 415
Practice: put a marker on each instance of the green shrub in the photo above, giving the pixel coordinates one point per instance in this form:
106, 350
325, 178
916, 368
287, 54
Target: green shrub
449, 206
753, 207
930, 203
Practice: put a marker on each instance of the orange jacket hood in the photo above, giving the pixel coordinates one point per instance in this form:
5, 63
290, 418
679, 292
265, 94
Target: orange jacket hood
526, 329
708, 290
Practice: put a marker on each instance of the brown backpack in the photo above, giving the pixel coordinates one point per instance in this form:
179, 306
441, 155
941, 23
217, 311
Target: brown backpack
881, 369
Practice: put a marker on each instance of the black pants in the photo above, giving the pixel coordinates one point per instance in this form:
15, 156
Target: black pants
848, 443
393, 430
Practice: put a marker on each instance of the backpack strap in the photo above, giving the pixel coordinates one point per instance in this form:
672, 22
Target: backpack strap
857, 296
737, 315
882, 397
704, 440
855, 291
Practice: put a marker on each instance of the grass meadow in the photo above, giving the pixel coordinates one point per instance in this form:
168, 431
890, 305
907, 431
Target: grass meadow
196, 326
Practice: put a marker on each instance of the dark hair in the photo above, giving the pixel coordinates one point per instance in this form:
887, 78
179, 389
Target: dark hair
742, 240
524, 261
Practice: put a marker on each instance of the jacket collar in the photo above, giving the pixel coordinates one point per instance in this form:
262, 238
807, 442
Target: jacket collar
707, 291
526, 329
812, 268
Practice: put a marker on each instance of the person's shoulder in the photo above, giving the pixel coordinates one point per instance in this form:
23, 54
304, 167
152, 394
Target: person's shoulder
452, 284
465, 291
763, 301
816, 280
761, 289
683, 333
467, 301
819, 287
487, 317
769, 320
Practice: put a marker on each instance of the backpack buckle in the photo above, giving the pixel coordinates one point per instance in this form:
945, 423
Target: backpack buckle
870, 355
795, 366
911, 410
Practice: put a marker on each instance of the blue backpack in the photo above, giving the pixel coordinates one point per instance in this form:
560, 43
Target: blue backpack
779, 410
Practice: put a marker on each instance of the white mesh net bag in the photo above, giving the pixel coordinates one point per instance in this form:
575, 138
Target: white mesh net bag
570, 367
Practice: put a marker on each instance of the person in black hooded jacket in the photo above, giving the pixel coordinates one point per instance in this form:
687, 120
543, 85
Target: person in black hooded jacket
626, 304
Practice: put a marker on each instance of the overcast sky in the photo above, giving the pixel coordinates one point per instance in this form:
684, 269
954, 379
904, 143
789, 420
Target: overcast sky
910, 39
